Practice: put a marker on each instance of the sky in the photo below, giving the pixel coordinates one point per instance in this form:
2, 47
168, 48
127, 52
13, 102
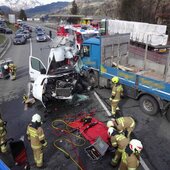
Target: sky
50, 1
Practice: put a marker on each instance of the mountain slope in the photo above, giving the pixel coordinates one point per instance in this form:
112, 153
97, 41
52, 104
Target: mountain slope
46, 9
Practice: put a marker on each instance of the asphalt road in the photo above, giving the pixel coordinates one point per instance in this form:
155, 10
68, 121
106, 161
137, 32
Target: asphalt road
152, 131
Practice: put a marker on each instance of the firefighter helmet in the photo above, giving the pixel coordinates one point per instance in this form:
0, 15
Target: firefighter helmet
115, 79
110, 123
5, 67
135, 145
111, 130
36, 118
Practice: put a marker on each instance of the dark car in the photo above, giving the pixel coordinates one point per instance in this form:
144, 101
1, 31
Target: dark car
8, 31
19, 39
5, 30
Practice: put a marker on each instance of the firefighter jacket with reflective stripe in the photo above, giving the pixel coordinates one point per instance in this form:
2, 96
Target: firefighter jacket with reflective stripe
119, 141
123, 123
12, 68
36, 136
2, 128
117, 91
131, 161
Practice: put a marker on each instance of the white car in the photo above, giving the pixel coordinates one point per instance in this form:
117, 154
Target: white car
59, 80
41, 37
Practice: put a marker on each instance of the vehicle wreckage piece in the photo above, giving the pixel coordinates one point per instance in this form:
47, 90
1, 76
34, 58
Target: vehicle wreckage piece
60, 80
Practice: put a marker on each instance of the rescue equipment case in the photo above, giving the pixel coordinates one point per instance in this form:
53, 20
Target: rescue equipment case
97, 149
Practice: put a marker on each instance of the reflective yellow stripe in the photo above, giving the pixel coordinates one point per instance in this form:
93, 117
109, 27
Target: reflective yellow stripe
124, 157
36, 146
133, 123
113, 92
121, 121
40, 160
33, 133
114, 143
115, 100
41, 137
120, 137
131, 168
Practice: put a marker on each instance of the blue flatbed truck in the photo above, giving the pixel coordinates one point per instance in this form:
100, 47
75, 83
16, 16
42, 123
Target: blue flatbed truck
145, 80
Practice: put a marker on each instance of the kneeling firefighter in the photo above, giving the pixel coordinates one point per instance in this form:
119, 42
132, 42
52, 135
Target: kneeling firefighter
118, 141
123, 124
36, 136
130, 157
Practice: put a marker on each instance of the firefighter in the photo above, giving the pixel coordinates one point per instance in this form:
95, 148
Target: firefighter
37, 138
12, 71
118, 141
130, 157
3, 133
123, 124
27, 101
117, 92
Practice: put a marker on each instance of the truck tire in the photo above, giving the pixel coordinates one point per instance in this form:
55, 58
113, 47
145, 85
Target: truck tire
149, 105
93, 79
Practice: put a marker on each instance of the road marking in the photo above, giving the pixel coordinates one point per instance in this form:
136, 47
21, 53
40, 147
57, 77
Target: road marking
145, 167
100, 101
30, 47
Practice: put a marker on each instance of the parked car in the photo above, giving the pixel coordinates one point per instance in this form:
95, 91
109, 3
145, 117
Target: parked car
19, 39
19, 31
8, 31
3, 73
5, 30
39, 30
41, 37
26, 33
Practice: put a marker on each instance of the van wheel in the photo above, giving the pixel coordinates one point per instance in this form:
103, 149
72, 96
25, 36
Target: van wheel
149, 105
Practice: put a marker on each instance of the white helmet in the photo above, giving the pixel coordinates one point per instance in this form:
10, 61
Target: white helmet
5, 67
135, 145
110, 123
36, 118
110, 131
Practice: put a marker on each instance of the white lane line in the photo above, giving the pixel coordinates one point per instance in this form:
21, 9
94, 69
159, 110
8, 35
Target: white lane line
30, 47
109, 114
100, 101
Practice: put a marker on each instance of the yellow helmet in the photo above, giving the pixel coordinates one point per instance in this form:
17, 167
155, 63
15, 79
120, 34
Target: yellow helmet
115, 79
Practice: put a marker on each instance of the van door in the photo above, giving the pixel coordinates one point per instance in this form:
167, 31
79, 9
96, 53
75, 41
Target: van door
36, 67
39, 87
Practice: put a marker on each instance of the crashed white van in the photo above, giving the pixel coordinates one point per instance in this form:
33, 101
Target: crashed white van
57, 81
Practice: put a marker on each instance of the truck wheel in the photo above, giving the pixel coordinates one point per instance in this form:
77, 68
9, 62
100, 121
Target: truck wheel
149, 105
93, 79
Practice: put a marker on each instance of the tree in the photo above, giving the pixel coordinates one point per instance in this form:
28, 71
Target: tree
22, 15
74, 11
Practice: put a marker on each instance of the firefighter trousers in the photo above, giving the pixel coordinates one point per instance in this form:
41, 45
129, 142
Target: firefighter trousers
116, 158
3, 147
114, 106
38, 157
